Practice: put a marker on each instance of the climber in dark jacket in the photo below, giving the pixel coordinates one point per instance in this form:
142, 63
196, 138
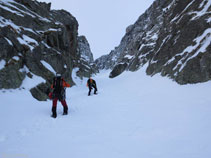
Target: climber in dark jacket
91, 84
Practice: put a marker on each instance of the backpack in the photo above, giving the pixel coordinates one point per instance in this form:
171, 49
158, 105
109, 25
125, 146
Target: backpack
57, 84
59, 90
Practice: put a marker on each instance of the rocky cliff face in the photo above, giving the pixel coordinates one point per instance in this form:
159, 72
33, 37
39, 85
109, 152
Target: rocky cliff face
86, 63
173, 37
37, 41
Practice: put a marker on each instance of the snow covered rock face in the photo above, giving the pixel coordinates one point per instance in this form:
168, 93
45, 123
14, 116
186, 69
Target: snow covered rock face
36, 41
173, 37
86, 65
85, 50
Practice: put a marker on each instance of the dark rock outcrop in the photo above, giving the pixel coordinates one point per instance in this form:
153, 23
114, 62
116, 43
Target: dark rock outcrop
173, 37
41, 42
84, 49
86, 63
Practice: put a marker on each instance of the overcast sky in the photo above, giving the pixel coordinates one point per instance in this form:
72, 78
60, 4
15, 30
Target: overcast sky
103, 22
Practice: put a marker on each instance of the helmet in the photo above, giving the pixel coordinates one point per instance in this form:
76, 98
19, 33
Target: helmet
58, 75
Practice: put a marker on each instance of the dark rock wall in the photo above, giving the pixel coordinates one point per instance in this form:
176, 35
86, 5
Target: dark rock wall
30, 34
173, 37
86, 64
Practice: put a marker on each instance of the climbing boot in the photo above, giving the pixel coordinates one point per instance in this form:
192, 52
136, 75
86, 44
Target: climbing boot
65, 110
54, 115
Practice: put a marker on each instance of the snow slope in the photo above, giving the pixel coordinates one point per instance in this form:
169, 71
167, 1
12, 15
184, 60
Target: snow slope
133, 116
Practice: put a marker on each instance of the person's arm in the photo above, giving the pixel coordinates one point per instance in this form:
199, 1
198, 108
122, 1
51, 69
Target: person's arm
94, 83
65, 84
87, 84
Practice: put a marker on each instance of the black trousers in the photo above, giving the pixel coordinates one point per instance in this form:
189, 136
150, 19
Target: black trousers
90, 89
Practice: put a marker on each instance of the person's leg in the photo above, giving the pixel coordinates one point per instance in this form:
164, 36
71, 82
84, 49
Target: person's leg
65, 107
54, 107
90, 89
95, 92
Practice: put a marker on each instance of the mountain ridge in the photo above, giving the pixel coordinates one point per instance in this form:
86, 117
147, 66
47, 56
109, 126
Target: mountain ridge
172, 37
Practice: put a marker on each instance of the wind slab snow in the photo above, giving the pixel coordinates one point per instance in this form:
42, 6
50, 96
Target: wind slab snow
133, 116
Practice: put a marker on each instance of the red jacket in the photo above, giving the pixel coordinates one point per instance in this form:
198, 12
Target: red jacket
64, 84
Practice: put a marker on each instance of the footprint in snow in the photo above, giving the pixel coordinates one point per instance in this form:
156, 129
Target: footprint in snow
2, 138
22, 132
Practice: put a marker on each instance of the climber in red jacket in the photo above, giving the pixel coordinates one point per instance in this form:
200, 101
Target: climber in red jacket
58, 93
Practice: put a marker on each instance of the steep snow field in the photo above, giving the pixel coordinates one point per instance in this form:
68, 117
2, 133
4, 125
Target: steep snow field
133, 116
